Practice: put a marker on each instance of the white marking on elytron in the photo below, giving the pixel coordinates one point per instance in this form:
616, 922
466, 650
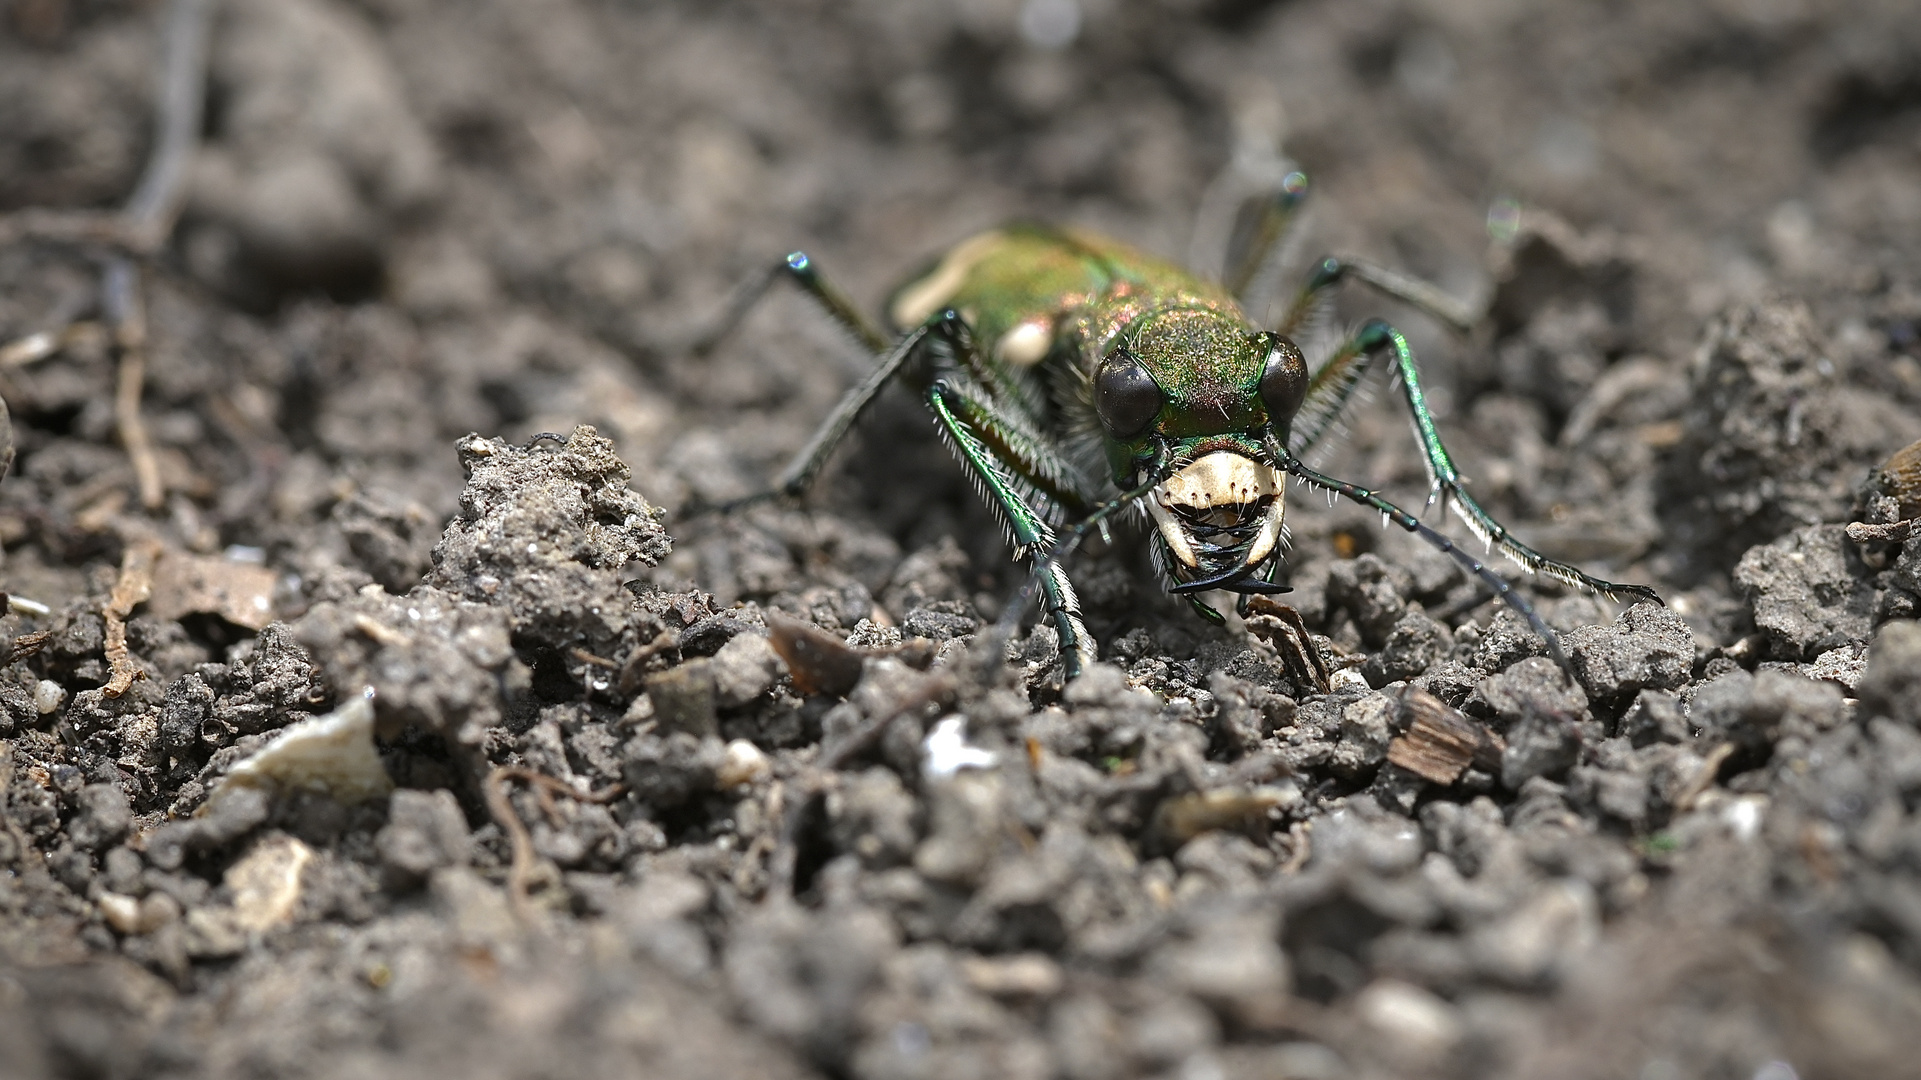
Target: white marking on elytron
913, 304
1027, 344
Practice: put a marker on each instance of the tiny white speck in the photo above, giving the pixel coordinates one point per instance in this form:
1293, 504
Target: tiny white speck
1743, 816
947, 752
414, 614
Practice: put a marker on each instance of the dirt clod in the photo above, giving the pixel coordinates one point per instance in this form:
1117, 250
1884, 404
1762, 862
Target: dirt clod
403, 399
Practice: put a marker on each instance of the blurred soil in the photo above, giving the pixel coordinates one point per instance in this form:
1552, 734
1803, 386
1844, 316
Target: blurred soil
634, 815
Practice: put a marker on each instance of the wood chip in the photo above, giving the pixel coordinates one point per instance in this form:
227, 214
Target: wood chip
239, 592
1440, 744
819, 662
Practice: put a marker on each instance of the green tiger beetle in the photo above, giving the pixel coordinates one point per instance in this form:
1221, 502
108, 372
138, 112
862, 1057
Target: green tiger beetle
1077, 378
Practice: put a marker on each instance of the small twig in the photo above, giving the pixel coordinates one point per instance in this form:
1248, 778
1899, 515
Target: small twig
134, 585
85, 228
44, 343
1703, 780
151, 211
932, 688
494, 789
130, 335
1896, 532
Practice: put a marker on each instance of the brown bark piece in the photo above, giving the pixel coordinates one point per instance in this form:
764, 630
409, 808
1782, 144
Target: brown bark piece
239, 592
1440, 743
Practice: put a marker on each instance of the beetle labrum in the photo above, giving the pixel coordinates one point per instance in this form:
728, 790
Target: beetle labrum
1076, 378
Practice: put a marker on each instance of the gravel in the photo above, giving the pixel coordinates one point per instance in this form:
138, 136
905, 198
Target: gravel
671, 791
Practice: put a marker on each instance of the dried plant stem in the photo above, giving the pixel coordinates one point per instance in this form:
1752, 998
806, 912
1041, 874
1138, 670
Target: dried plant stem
134, 585
494, 789
150, 212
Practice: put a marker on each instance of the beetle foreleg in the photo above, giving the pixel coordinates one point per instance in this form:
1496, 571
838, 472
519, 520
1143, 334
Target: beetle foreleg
1444, 480
1015, 495
1500, 585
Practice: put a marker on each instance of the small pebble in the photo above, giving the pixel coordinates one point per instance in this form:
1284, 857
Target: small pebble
741, 763
48, 696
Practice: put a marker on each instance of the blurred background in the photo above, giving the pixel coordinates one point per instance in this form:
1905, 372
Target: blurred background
411, 219
1696, 227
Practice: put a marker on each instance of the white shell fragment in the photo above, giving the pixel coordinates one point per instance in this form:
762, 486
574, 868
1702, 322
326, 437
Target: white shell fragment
741, 763
333, 754
47, 696
266, 883
947, 752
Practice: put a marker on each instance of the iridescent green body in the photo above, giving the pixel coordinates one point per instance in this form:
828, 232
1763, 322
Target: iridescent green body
1077, 378
1084, 295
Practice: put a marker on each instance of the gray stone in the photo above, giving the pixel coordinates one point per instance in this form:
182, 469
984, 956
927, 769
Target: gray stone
1414, 644
1755, 710
1891, 685
1535, 685
1371, 590
104, 817
425, 831
1540, 744
1655, 716
1809, 592
744, 669
1649, 647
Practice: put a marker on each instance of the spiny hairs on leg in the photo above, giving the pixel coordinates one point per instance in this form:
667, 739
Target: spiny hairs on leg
1496, 537
1501, 586
1445, 481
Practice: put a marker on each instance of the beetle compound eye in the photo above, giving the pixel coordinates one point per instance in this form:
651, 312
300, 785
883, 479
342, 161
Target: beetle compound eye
1126, 396
1283, 380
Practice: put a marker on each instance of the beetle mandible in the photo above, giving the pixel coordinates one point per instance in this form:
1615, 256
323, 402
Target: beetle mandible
1076, 378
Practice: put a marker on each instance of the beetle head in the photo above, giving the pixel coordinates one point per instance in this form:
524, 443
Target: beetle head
1197, 382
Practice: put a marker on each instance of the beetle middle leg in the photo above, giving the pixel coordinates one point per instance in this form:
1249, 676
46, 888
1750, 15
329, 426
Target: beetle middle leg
1331, 270
1267, 221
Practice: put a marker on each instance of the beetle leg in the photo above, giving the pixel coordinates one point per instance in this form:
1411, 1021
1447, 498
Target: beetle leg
799, 269
1011, 485
1332, 270
806, 465
1501, 586
1445, 483
1259, 227
800, 473
1445, 480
